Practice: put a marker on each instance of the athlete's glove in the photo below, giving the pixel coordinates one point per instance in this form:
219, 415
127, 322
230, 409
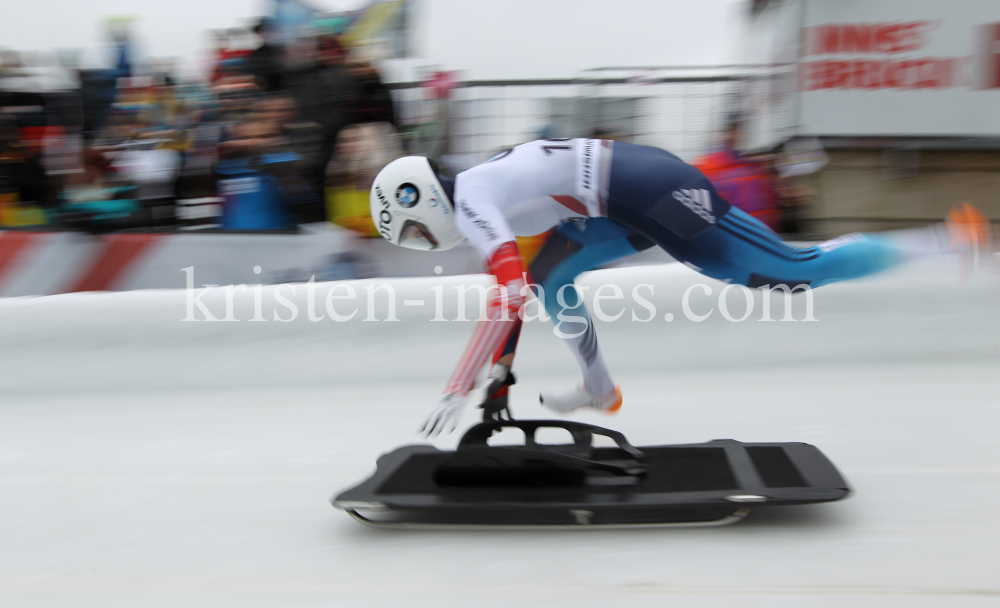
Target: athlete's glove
445, 416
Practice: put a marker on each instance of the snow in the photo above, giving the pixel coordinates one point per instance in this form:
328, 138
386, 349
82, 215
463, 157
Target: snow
147, 461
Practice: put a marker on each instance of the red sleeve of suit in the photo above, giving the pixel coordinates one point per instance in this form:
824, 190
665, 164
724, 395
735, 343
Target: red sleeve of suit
504, 303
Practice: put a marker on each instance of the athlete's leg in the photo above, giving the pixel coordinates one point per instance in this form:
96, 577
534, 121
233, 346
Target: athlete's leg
573, 248
675, 206
576, 248
764, 259
742, 250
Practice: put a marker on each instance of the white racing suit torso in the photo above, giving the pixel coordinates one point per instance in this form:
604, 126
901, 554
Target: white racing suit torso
530, 189
521, 192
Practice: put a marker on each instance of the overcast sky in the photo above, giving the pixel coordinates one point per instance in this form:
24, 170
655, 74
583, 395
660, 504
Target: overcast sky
483, 38
558, 38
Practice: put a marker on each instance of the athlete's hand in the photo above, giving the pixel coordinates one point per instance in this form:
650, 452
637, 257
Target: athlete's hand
497, 380
445, 416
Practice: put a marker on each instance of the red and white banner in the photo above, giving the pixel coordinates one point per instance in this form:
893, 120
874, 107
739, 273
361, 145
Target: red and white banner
47, 263
896, 68
900, 68
44, 263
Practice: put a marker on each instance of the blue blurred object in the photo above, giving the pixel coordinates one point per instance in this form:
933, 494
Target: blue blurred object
254, 199
291, 17
98, 209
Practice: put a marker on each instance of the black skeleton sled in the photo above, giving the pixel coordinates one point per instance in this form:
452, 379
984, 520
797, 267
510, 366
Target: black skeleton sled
578, 484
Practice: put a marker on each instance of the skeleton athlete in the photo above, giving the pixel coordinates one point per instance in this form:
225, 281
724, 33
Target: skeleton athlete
630, 197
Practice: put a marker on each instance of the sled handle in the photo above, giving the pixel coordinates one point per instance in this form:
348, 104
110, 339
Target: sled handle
583, 434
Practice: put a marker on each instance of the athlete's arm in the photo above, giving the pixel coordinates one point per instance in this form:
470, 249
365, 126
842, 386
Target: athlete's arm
485, 226
479, 218
504, 302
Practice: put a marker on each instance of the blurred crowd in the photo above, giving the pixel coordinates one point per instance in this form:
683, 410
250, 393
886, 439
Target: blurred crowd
280, 131
272, 138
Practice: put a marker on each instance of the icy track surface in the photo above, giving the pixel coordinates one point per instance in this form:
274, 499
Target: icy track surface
146, 461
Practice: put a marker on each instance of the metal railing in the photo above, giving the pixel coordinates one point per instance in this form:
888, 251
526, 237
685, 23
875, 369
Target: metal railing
683, 114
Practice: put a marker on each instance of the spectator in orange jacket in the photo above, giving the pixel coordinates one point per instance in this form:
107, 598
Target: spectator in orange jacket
747, 184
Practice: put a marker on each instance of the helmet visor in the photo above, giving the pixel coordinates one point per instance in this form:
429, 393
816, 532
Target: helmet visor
416, 236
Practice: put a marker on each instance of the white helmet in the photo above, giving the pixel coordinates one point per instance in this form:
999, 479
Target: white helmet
410, 208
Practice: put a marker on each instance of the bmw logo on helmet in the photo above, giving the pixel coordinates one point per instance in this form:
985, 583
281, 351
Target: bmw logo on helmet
407, 195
